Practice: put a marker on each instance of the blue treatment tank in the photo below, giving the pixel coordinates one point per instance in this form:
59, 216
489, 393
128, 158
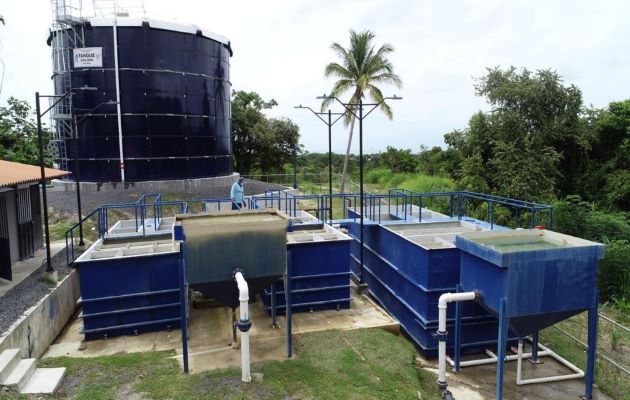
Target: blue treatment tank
175, 100
408, 266
544, 277
320, 270
129, 287
216, 244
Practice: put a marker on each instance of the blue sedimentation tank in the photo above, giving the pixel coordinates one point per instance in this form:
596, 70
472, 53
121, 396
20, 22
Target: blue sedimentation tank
129, 288
407, 267
543, 277
175, 105
319, 273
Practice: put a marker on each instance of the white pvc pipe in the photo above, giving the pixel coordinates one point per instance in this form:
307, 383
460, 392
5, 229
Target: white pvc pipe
243, 297
519, 370
442, 304
118, 113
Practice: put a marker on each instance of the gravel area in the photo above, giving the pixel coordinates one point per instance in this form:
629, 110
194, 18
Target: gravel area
66, 200
27, 293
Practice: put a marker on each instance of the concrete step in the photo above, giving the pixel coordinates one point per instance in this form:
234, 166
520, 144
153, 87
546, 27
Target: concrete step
21, 374
44, 380
8, 360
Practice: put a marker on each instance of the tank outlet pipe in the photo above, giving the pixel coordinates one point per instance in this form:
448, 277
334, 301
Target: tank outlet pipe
244, 324
441, 335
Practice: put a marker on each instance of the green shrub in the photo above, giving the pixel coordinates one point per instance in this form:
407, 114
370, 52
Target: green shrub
600, 226
613, 274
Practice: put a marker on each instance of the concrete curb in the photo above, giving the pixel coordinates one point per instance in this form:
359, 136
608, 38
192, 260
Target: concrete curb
40, 325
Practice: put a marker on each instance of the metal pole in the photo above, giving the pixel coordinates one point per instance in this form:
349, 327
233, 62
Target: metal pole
330, 163
76, 170
118, 112
294, 167
361, 282
40, 141
183, 299
592, 347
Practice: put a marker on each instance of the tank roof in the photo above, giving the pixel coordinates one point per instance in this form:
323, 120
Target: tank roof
158, 24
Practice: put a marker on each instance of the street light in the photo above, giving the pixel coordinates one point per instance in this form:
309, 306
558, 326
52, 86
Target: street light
351, 108
329, 123
75, 128
40, 141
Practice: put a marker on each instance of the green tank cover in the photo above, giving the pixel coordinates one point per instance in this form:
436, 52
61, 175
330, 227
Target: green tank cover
218, 242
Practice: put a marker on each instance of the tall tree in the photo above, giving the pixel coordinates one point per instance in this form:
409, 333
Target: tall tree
260, 142
361, 70
18, 134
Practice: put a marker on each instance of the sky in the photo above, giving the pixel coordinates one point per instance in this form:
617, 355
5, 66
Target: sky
281, 48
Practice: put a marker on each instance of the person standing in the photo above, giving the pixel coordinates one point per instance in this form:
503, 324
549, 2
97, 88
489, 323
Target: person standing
237, 194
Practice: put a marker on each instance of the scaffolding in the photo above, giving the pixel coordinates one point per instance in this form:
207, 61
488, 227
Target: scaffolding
66, 34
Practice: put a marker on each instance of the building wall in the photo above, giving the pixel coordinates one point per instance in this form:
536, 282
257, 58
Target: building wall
9, 195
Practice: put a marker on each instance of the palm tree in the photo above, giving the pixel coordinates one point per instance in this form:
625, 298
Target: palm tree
361, 69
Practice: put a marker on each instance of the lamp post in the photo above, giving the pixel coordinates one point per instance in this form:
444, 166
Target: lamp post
75, 129
328, 123
42, 165
352, 108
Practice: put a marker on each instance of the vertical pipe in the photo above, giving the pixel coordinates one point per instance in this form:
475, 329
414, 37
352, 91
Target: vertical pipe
491, 215
274, 323
420, 205
533, 218
330, 162
459, 206
592, 346
516, 217
120, 132
458, 330
551, 218
287, 295
182, 306
294, 169
361, 183
534, 357
40, 142
452, 205
502, 347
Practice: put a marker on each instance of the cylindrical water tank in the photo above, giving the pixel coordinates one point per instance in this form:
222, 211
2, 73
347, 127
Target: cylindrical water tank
174, 101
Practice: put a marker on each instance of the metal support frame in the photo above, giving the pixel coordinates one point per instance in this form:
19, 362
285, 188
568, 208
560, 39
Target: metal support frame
289, 311
274, 322
502, 348
328, 123
183, 299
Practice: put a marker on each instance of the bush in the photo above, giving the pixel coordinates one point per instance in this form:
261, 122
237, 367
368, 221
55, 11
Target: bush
600, 226
613, 274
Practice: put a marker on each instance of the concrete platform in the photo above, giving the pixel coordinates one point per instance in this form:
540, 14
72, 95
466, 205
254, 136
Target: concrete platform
210, 334
22, 269
479, 382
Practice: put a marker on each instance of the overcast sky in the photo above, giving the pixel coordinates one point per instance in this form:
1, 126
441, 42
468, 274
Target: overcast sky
281, 48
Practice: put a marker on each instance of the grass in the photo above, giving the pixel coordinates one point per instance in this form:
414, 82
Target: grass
381, 179
612, 342
359, 364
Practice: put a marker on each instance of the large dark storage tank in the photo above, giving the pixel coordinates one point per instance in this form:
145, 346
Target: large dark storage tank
174, 98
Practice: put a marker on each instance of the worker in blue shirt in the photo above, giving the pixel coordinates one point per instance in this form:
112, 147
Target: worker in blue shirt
237, 194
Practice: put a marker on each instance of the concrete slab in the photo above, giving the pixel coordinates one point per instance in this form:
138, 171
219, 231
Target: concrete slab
210, 334
44, 381
22, 269
8, 360
21, 374
479, 382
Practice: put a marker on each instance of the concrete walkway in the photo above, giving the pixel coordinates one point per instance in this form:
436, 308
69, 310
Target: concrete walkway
22, 269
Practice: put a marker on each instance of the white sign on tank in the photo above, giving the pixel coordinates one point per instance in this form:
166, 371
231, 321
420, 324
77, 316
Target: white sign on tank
88, 57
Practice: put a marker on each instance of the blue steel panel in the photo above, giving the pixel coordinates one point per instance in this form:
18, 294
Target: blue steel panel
414, 305
320, 277
540, 287
146, 299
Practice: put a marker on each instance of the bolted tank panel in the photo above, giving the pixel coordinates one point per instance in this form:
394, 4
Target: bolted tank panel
174, 99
